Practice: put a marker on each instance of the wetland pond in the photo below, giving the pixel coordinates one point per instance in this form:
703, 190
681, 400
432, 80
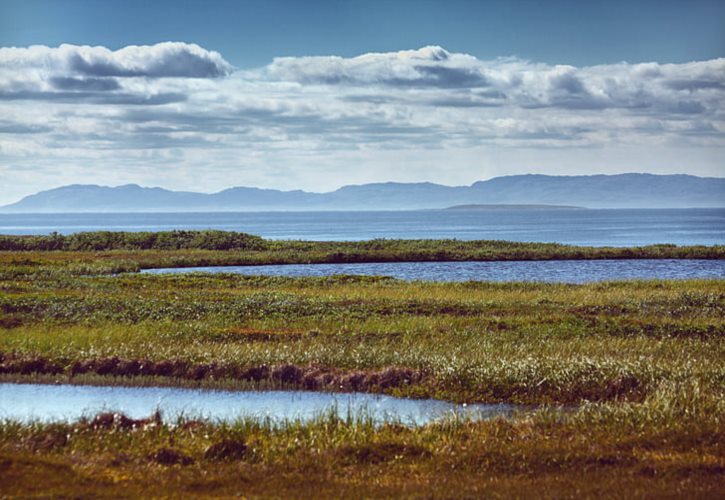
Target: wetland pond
69, 403
553, 271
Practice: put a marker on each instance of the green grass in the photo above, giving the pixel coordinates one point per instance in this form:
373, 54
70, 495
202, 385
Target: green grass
491, 342
640, 361
111, 252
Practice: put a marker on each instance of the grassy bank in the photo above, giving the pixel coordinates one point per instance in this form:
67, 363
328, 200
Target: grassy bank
642, 360
109, 252
600, 451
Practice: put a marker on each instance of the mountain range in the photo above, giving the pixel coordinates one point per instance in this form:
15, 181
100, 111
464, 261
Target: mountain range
592, 191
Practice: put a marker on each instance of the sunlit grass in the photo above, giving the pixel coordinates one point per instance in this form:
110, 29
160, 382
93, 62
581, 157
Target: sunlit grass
523, 342
637, 364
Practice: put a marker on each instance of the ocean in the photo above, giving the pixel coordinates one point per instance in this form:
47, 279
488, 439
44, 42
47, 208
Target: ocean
611, 227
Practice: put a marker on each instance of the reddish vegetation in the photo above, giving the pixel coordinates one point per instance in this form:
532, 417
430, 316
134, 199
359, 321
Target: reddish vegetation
28, 365
308, 377
110, 420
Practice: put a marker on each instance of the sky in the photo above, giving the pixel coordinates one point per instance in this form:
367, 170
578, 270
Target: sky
202, 96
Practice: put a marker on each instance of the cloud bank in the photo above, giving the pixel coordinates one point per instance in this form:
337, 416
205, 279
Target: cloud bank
179, 115
466, 81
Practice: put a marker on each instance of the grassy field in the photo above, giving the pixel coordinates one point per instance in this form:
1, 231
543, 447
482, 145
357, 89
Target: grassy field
639, 363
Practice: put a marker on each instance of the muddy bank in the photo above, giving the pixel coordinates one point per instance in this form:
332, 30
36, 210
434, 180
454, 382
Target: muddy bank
315, 378
393, 380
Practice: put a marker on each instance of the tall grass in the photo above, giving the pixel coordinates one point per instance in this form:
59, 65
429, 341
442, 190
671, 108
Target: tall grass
638, 364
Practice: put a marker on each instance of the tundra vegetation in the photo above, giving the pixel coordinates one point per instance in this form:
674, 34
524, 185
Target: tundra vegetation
636, 366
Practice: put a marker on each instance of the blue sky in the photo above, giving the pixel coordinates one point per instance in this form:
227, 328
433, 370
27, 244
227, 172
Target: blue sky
251, 33
315, 95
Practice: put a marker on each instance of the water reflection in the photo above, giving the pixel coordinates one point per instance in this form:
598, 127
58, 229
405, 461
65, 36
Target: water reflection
47, 402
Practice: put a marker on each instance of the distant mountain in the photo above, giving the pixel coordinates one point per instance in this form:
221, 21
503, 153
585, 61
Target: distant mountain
592, 191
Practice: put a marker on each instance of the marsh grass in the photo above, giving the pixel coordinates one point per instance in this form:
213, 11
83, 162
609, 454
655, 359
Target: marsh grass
652, 448
106, 252
641, 360
490, 342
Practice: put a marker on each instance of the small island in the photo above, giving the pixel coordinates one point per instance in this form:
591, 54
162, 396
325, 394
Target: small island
505, 206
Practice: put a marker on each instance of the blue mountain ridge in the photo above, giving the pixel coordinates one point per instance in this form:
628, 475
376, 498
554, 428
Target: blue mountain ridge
592, 191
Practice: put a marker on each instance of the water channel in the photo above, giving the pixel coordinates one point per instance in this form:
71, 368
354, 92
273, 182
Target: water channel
558, 271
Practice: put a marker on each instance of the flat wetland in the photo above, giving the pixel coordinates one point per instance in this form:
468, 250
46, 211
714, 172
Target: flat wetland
638, 365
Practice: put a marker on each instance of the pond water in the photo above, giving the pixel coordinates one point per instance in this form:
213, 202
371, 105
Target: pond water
47, 403
559, 271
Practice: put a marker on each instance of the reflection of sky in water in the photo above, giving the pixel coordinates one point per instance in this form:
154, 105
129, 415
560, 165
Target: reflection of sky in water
577, 227
565, 271
26, 402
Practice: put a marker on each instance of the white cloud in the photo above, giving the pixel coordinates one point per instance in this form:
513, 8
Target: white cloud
178, 115
426, 67
169, 59
678, 88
